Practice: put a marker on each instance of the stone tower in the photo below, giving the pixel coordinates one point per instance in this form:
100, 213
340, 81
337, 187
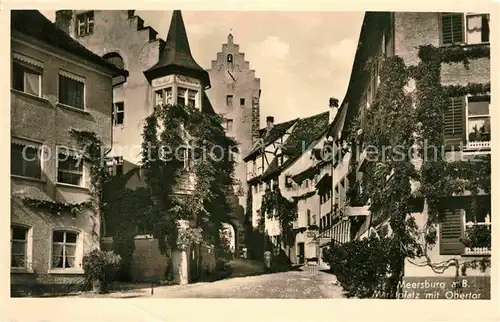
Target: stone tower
161, 71
235, 94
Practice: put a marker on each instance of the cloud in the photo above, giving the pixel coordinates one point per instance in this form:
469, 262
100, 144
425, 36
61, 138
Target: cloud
274, 48
341, 52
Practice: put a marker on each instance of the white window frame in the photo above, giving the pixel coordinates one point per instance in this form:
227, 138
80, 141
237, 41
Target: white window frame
77, 78
479, 144
28, 267
116, 112
86, 23
23, 59
78, 269
466, 224
41, 154
465, 21
77, 154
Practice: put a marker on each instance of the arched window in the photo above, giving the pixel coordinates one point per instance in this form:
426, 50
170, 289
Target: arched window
229, 58
115, 59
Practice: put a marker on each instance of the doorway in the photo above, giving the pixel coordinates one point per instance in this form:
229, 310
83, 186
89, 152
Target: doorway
301, 253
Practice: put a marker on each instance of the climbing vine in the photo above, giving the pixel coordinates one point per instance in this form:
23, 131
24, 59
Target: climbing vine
392, 121
186, 148
275, 205
57, 207
91, 146
438, 177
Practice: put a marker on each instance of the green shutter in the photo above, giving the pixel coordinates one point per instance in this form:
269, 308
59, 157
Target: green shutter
454, 122
450, 233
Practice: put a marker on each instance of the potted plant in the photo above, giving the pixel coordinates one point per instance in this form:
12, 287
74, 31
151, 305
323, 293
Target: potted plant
100, 267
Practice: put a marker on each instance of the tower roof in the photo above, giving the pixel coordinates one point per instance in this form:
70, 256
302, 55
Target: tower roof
175, 54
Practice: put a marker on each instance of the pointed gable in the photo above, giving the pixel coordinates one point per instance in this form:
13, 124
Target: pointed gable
175, 55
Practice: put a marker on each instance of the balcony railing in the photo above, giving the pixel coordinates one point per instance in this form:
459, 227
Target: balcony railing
476, 145
477, 239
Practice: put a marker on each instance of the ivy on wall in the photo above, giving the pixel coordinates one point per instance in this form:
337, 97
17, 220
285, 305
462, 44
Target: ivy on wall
91, 146
440, 178
57, 207
392, 121
211, 164
275, 205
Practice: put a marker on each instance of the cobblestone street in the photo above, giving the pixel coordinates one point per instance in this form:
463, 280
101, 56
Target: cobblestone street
301, 283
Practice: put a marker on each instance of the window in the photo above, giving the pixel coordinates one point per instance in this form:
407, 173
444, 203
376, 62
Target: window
85, 23
115, 166
308, 214
26, 78
159, 97
71, 90
163, 96
186, 157
307, 183
118, 113
478, 119
478, 28
18, 246
242, 102
191, 98
473, 28
25, 161
229, 101
64, 249
229, 125
229, 58
452, 28
477, 228
280, 159
181, 96
69, 169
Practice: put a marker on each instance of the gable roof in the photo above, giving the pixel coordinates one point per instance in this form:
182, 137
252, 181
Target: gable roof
34, 24
268, 137
175, 54
305, 132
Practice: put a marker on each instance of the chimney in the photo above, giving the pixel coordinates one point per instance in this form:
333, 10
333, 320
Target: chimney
64, 20
269, 122
333, 103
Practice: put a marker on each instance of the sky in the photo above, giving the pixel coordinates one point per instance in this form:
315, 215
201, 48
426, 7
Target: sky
301, 58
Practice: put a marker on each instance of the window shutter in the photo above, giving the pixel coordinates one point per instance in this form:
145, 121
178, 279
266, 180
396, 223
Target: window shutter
452, 30
454, 122
450, 232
